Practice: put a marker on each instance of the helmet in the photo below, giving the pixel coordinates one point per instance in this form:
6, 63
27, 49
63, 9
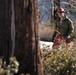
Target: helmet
61, 10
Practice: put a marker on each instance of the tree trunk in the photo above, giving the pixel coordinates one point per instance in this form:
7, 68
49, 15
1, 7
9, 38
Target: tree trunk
56, 7
26, 49
26, 35
5, 29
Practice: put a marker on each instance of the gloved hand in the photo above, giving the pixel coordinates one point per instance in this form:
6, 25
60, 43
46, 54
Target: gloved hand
68, 39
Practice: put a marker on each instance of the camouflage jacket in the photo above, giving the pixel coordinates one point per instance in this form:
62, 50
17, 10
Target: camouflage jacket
66, 27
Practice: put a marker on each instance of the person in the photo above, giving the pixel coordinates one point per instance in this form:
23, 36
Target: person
63, 29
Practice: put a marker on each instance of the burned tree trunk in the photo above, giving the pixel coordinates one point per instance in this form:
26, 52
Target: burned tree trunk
26, 49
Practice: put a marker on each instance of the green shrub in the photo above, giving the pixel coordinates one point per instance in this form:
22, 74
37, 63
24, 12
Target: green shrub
60, 62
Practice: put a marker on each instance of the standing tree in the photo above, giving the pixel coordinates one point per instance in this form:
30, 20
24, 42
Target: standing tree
19, 34
55, 5
26, 27
5, 29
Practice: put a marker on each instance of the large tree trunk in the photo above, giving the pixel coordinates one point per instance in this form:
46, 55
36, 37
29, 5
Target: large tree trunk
5, 29
26, 49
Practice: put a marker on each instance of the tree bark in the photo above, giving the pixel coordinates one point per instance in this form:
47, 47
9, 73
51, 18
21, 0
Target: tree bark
5, 29
26, 35
26, 49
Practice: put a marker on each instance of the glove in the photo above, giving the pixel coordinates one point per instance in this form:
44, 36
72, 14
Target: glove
68, 39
